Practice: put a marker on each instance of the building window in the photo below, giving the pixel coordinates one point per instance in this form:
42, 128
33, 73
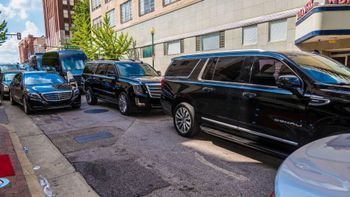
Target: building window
66, 26
278, 30
146, 6
64, 2
107, 1
65, 13
174, 47
95, 4
147, 51
111, 16
250, 35
167, 2
71, 2
126, 12
97, 22
210, 41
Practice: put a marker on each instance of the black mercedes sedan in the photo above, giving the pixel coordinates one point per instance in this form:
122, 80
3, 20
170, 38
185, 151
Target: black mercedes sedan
43, 90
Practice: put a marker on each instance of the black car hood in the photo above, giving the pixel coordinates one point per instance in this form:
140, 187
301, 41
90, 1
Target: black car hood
143, 79
48, 88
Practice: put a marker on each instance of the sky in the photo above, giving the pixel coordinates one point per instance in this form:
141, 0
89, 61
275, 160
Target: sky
25, 16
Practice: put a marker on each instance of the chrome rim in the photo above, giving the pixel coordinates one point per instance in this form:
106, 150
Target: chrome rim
183, 120
122, 103
88, 96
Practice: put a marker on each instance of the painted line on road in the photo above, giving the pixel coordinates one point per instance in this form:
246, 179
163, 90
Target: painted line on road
201, 159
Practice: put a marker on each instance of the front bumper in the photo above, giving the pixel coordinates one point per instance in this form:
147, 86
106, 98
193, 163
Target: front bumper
146, 103
36, 104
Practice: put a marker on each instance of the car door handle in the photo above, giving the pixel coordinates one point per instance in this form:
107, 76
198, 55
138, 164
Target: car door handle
249, 95
208, 89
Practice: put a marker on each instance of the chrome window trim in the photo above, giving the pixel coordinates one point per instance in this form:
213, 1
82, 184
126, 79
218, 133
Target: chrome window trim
251, 131
250, 75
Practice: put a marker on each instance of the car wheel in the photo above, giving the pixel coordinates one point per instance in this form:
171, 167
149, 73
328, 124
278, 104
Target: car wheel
13, 102
90, 97
185, 120
26, 107
124, 104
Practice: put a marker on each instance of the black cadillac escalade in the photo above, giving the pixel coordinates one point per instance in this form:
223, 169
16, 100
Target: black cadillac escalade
283, 98
134, 86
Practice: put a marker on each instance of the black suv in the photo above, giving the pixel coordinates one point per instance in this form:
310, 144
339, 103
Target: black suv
283, 98
132, 85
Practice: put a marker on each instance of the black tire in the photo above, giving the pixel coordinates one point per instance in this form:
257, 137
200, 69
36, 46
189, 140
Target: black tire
185, 120
13, 102
26, 107
124, 104
90, 97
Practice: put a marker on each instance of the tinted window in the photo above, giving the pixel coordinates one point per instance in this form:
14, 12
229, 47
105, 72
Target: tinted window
43, 78
73, 62
135, 69
267, 70
323, 69
8, 76
90, 68
101, 69
209, 70
231, 69
110, 70
6, 67
181, 68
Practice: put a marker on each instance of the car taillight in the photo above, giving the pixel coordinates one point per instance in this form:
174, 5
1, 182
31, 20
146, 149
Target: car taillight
272, 194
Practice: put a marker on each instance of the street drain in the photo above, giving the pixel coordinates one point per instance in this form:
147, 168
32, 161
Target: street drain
93, 137
96, 111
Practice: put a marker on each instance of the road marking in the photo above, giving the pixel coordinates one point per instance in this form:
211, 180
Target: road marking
201, 159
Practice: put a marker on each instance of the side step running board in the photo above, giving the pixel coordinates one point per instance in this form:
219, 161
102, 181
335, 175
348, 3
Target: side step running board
242, 141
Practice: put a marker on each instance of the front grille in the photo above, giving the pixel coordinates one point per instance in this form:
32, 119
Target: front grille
57, 96
154, 90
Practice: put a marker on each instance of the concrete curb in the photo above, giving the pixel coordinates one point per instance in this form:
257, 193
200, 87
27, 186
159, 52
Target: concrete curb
27, 167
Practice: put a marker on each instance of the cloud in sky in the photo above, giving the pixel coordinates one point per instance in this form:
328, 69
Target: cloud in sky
31, 28
19, 8
9, 51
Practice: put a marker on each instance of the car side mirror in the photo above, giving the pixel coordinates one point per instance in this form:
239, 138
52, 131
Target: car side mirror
289, 82
72, 82
159, 73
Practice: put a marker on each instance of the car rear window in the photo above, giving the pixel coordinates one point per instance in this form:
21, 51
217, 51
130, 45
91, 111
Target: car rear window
181, 68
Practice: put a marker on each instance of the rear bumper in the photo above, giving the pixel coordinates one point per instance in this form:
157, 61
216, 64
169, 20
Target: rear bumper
44, 105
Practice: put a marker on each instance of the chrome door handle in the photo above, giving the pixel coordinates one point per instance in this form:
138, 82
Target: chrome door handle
208, 89
249, 95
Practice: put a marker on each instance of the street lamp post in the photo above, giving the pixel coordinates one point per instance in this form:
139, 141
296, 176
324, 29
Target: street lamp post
153, 53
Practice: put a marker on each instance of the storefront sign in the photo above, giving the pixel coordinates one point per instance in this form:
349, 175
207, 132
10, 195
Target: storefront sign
340, 2
303, 11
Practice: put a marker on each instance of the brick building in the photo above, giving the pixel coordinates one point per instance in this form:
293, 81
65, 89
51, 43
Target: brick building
58, 21
29, 46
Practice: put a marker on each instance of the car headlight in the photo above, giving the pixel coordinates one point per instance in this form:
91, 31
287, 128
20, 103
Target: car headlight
76, 91
34, 96
138, 89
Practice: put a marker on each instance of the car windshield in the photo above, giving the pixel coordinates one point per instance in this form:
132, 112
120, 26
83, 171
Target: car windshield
136, 69
73, 62
42, 78
323, 69
6, 67
9, 76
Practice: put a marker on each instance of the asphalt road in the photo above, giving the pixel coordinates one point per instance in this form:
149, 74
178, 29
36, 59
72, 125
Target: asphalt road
142, 155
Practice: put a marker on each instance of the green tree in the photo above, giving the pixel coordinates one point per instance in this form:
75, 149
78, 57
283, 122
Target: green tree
108, 43
81, 30
3, 31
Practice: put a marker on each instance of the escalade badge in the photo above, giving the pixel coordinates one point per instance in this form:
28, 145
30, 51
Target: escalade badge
288, 123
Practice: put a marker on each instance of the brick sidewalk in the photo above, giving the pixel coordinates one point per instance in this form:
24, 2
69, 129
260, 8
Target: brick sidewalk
18, 186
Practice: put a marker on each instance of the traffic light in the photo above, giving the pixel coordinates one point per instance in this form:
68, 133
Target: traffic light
19, 36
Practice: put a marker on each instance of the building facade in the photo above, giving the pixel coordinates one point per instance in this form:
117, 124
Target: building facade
194, 26
29, 46
58, 21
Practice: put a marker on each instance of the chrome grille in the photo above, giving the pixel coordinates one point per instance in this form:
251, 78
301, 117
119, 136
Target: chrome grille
57, 96
154, 90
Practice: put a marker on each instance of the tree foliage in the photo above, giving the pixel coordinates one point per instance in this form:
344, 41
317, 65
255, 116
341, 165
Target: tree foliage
82, 31
3, 31
108, 43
